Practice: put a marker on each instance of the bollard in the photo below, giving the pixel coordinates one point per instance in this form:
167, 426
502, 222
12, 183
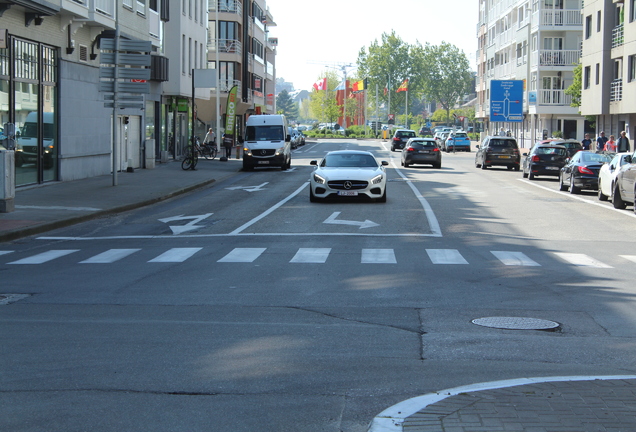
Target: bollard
7, 181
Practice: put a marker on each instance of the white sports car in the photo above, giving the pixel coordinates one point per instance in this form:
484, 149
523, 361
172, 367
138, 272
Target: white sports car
348, 173
607, 175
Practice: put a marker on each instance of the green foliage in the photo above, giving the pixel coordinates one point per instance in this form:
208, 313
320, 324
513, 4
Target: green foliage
322, 103
285, 105
574, 90
557, 134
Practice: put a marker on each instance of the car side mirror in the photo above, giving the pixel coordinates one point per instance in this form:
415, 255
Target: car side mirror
384, 163
477, 146
313, 162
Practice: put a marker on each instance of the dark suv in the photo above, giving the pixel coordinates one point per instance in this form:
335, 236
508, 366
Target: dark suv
400, 137
498, 150
544, 159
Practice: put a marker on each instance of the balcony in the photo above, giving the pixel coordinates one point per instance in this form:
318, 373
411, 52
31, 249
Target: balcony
226, 85
229, 6
227, 46
559, 57
553, 97
561, 17
618, 37
616, 90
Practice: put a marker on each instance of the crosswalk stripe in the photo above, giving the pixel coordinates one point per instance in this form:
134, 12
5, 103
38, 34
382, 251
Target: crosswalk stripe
445, 256
109, 256
176, 255
311, 255
581, 260
243, 255
45, 256
514, 258
378, 256
631, 258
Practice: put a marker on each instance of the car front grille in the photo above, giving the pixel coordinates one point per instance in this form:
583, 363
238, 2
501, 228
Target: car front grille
263, 152
348, 184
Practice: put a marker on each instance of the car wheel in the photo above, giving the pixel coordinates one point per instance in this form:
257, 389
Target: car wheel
517, 168
601, 195
312, 197
617, 200
402, 163
510, 167
530, 176
562, 187
437, 165
483, 165
477, 164
406, 164
573, 189
247, 167
382, 199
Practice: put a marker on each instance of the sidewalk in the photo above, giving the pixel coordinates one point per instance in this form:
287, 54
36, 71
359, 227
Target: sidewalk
58, 204
551, 404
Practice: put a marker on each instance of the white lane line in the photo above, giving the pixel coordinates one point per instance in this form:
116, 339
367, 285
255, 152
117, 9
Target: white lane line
45, 256
445, 256
631, 258
268, 211
581, 260
392, 418
311, 255
378, 256
514, 258
110, 256
175, 255
5, 252
243, 255
565, 194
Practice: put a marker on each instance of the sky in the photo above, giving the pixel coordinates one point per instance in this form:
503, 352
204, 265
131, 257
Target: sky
333, 31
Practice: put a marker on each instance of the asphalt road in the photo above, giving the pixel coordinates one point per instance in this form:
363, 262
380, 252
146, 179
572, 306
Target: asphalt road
245, 307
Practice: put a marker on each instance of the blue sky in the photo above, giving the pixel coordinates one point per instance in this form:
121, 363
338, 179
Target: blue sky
312, 32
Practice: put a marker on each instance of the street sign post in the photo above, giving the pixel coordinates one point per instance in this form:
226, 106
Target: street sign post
506, 101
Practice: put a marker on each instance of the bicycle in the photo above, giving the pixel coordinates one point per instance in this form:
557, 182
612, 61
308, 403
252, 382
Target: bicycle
190, 160
209, 150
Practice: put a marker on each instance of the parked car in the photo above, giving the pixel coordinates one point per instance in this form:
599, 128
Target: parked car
424, 131
440, 137
544, 160
421, 151
581, 171
625, 185
400, 137
348, 173
301, 138
608, 173
498, 151
457, 141
571, 145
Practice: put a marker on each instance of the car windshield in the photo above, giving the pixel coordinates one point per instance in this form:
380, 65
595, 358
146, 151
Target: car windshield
461, 135
264, 133
595, 157
551, 151
349, 160
405, 134
571, 144
422, 144
503, 143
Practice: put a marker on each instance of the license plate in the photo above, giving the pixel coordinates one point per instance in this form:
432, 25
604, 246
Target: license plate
424, 151
263, 162
348, 193
504, 157
552, 168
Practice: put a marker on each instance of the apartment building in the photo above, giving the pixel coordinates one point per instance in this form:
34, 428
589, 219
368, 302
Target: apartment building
240, 48
609, 66
539, 42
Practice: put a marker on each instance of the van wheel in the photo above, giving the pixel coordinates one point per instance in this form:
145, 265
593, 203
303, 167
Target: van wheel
247, 167
617, 200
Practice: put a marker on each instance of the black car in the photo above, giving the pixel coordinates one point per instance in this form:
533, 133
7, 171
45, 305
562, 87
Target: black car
572, 145
544, 160
424, 131
498, 150
421, 151
400, 137
581, 171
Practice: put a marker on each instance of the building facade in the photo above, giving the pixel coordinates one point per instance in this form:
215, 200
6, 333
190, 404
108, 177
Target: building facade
609, 66
539, 42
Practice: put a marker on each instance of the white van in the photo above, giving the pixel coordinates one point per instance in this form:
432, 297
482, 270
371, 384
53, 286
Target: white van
266, 142
27, 142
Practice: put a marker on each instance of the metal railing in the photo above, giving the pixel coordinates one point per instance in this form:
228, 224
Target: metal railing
618, 37
559, 57
616, 90
231, 6
554, 97
561, 17
231, 46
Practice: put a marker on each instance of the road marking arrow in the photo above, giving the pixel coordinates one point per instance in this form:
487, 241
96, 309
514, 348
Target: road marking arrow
366, 224
248, 188
180, 229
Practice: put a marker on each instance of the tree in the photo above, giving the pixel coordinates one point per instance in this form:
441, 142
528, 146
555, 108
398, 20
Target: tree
448, 77
285, 105
322, 104
574, 89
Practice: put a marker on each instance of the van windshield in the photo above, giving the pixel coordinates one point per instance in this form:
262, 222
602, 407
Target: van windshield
264, 133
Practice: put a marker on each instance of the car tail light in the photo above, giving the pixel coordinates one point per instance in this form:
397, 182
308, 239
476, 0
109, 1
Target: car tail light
585, 170
536, 158
435, 149
410, 149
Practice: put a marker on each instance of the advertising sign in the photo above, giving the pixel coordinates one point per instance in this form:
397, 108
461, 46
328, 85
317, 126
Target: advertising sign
230, 115
506, 101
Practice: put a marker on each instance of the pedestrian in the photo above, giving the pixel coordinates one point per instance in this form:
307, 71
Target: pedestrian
623, 143
610, 145
587, 142
600, 142
502, 132
210, 137
227, 143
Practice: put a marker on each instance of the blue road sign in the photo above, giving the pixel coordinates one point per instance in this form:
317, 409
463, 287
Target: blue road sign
506, 101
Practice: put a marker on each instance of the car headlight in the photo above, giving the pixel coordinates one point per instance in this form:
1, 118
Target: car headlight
319, 179
247, 151
377, 179
280, 151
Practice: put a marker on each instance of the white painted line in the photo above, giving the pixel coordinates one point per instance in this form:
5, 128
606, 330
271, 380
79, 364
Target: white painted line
175, 255
366, 224
568, 195
378, 256
631, 258
243, 255
392, 418
445, 256
270, 210
581, 260
311, 255
110, 256
5, 252
274, 234
514, 258
45, 256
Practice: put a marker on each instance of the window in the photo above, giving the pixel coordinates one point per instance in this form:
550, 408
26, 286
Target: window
189, 56
588, 26
257, 48
228, 30
632, 11
586, 77
227, 75
598, 21
598, 73
183, 54
631, 72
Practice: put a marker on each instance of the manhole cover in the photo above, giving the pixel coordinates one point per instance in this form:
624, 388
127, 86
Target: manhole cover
516, 323
5, 299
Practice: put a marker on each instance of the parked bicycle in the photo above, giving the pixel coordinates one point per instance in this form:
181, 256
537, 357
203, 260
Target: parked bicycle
190, 160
